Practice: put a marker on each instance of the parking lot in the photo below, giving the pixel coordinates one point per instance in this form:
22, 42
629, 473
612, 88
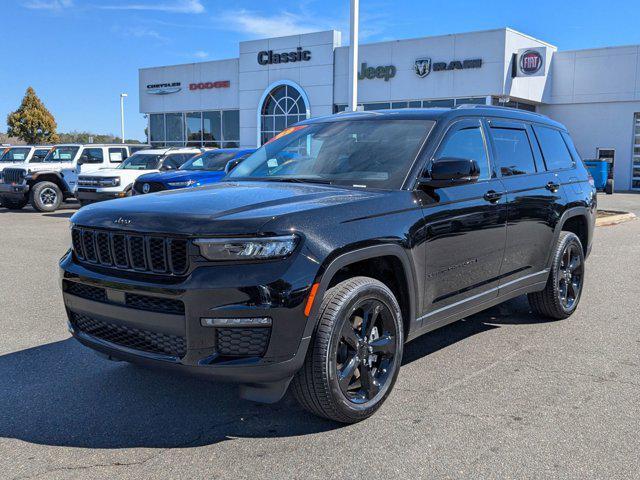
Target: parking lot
502, 394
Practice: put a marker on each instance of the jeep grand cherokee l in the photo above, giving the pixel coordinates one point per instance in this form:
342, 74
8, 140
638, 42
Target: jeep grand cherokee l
325, 251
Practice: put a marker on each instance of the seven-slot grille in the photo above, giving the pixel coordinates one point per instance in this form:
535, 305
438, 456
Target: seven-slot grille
13, 175
129, 251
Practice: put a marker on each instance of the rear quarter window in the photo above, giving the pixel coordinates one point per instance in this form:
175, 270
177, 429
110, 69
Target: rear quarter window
554, 149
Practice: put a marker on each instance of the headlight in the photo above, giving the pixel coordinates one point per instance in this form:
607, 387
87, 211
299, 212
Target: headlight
109, 182
186, 183
220, 249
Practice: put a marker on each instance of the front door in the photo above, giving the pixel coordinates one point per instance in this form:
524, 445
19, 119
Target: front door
465, 228
534, 203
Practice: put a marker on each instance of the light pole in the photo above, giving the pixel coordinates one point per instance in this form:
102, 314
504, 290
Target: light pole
353, 55
122, 95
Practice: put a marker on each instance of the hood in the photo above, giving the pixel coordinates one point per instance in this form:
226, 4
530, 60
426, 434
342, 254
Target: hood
220, 209
181, 175
116, 172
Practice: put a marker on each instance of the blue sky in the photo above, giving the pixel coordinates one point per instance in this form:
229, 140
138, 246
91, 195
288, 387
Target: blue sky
79, 55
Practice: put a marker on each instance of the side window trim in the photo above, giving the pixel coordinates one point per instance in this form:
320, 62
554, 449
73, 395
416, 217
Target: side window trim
563, 135
505, 124
459, 124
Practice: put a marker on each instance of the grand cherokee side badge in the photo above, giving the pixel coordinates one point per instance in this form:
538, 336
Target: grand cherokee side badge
122, 221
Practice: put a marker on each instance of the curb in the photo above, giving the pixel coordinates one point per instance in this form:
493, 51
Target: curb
614, 218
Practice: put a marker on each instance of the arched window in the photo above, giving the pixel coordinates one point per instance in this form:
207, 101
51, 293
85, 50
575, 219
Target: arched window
283, 106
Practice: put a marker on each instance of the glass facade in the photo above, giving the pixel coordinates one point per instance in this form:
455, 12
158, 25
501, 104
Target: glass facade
442, 103
217, 128
283, 107
635, 162
514, 104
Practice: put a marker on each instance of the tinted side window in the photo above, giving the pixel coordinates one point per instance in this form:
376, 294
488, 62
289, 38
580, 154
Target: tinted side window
177, 159
92, 155
513, 151
554, 150
466, 143
39, 155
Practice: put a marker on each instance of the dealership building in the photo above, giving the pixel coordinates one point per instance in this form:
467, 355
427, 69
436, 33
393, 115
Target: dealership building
276, 82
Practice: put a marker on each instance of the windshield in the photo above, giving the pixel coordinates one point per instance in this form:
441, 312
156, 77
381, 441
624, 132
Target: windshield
141, 161
14, 154
359, 153
210, 161
61, 154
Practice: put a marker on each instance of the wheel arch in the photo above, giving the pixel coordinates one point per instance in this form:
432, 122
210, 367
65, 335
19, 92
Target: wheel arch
575, 220
53, 177
392, 252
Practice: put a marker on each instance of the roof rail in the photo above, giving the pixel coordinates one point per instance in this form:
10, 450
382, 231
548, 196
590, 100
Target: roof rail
496, 107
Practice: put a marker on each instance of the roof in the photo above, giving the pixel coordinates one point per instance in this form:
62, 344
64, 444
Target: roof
441, 114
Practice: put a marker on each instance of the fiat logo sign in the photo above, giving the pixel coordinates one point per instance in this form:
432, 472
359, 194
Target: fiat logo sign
530, 62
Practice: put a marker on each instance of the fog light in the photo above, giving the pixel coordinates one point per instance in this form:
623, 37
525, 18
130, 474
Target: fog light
236, 322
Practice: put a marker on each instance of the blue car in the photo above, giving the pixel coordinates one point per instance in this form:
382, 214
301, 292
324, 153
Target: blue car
204, 169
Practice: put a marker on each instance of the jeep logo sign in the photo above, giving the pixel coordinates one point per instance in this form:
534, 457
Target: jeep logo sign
530, 62
370, 73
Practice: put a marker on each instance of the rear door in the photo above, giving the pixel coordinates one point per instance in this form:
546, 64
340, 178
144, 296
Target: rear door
465, 229
535, 201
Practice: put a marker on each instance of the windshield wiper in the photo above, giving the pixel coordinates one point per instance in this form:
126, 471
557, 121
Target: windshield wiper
297, 180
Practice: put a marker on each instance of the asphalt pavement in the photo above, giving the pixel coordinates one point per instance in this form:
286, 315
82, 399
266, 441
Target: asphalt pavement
502, 394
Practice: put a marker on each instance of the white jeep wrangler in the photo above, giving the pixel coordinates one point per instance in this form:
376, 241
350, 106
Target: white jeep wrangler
47, 183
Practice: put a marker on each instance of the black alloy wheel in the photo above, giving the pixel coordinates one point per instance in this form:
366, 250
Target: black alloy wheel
356, 352
561, 294
570, 276
365, 355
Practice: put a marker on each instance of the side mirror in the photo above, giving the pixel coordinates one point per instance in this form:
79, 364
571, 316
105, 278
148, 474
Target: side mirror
448, 172
82, 160
167, 167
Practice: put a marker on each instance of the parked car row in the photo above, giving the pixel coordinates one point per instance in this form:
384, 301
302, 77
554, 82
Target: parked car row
47, 176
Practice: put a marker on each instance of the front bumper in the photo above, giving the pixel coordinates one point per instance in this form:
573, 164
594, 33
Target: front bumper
96, 195
11, 189
218, 292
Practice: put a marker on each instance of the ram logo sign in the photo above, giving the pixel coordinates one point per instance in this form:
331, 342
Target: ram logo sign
422, 67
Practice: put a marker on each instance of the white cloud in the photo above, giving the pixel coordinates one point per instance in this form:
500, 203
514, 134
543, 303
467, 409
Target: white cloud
139, 32
201, 54
284, 23
175, 6
48, 4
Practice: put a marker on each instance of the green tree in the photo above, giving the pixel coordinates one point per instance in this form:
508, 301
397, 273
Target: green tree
32, 122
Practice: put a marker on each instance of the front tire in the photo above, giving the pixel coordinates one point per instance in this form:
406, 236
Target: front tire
561, 295
355, 357
13, 203
45, 197
608, 189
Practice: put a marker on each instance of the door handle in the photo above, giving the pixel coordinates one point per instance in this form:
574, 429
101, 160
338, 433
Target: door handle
492, 196
554, 187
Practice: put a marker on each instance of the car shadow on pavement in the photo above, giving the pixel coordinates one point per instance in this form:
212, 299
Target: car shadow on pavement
63, 394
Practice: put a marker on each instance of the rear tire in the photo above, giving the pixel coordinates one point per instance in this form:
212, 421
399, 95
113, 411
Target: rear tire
561, 295
354, 359
45, 197
608, 189
13, 203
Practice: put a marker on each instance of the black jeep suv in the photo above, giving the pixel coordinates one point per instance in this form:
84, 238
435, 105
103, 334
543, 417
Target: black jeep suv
331, 246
